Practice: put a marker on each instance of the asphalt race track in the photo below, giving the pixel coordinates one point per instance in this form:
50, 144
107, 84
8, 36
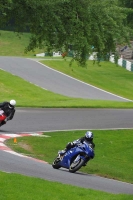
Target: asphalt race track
35, 120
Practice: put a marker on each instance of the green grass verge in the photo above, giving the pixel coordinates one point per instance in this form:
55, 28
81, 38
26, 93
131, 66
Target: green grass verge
113, 152
18, 187
12, 44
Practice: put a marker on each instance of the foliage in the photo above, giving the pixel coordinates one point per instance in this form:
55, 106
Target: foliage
82, 26
128, 4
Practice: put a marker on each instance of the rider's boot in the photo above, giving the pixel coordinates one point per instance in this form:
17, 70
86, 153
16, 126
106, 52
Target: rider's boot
2, 123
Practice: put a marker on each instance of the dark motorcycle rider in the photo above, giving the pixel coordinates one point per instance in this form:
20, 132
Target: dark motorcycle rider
88, 138
9, 110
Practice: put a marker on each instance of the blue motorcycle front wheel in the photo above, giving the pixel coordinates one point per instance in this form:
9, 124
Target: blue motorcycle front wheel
55, 164
75, 166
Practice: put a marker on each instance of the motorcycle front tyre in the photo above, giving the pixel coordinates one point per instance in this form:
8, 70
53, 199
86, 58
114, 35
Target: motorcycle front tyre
77, 167
55, 164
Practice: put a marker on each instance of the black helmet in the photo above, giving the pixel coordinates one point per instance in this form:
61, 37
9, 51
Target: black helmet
89, 136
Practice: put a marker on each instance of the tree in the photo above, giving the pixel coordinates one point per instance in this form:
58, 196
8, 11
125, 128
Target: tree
85, 25
128, 4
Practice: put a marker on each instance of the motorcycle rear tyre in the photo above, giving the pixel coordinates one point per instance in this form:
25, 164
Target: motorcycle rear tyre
77, 167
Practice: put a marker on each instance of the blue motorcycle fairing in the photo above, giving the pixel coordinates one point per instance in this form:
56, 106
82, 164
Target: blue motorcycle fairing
82, 149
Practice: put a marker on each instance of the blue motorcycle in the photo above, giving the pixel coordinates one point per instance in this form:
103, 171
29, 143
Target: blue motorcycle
74, 158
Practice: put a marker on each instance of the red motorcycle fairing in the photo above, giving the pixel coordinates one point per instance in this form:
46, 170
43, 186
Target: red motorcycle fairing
2, 116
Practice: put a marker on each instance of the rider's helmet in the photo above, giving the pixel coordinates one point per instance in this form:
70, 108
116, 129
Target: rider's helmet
12, 102
89, 136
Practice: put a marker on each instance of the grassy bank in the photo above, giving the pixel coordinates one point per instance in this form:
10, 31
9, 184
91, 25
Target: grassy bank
12, 44
18, 187
113, 151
